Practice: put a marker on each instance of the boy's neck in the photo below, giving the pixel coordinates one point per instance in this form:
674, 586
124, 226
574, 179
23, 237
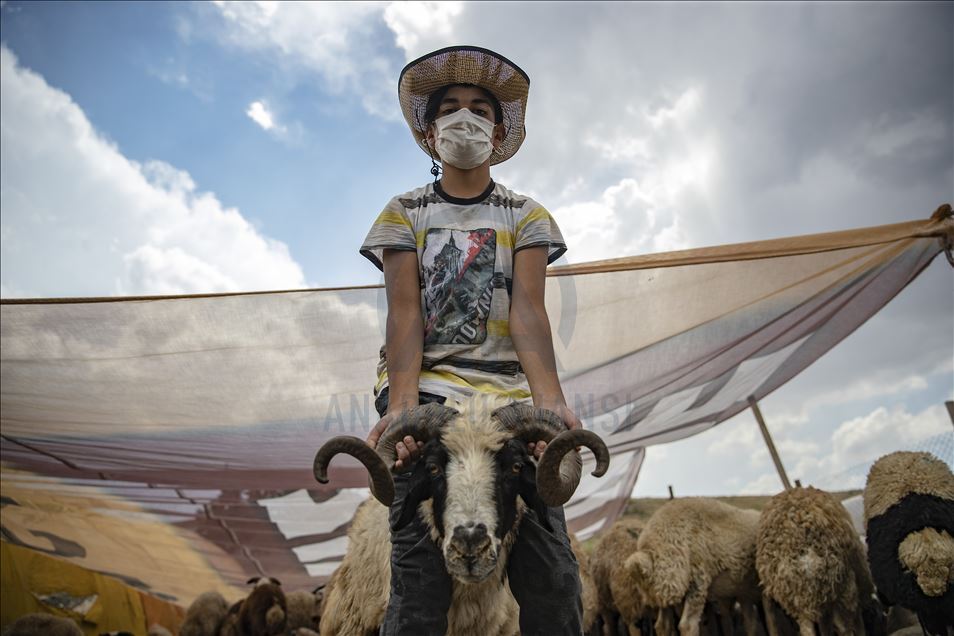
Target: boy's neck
465, 184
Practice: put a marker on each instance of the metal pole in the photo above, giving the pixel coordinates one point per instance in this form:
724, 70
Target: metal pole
950, 410
769, 443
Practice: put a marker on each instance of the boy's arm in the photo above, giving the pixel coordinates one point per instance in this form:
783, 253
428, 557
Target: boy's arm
532, 339
404, 342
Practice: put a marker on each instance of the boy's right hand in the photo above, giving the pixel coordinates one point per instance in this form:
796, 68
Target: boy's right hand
408, 449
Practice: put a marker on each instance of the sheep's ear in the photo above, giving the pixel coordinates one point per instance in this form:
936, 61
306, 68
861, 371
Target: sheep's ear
254, 579
640, 563
528, 492
419, 489
275, 581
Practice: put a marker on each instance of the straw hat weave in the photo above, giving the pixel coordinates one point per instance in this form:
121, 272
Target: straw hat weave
466, 65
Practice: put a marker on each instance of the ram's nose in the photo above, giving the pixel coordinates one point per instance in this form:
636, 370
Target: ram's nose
471, 538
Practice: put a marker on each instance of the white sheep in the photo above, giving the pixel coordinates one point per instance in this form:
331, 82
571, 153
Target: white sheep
692, 550
811, 563
909, 523
459, 464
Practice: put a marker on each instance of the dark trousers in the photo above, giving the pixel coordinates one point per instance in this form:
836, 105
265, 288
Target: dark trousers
542, 570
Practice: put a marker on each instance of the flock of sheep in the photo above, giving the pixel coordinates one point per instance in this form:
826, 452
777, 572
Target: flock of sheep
698, 566
267, 610
703, 566
797, 566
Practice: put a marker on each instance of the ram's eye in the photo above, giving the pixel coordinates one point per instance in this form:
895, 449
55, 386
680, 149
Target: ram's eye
434, 469
516, 468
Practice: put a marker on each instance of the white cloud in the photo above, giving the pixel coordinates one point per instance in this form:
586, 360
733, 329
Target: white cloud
263, 114
766, 484
647, 158
625, 219
854, 445
338, 41
881, 431
258, 113
413, 22
111, 223
723, 149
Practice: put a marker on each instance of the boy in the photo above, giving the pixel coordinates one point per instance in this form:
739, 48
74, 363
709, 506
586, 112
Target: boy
464, 263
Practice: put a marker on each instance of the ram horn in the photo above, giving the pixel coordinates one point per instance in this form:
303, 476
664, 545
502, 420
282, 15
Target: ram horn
382, 484
560, 468
422, 423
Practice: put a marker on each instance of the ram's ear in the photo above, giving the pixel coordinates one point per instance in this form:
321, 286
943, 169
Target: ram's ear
418, 490
528, 492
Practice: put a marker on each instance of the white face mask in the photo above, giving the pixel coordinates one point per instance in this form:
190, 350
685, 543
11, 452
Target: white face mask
464, 140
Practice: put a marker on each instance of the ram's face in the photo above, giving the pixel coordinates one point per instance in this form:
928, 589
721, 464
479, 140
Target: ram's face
469, 519
472, 477
480, 507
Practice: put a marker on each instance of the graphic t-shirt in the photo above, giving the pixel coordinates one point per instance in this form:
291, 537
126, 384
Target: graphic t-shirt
465, 251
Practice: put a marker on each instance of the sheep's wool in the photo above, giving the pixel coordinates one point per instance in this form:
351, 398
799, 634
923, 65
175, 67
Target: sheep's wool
897, 475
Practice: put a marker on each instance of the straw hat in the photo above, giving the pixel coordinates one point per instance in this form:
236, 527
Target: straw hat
466, 65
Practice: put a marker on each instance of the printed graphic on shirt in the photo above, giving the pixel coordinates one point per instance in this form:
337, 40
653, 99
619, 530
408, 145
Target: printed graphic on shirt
457, 269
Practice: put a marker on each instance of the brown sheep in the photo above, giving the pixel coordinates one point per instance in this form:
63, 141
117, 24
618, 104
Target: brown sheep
587, 586
302, 610
265, 611
811, 563
205, 615
230, 624
618, 595
42, 625
693, 550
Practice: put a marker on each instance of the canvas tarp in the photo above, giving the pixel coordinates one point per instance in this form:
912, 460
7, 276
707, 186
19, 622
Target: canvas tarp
34, 582
171, 439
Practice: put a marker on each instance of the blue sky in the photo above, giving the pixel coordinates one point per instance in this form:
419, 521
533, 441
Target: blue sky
159, 93
220, 146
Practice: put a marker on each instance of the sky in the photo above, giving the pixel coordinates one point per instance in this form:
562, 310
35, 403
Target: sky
158, 148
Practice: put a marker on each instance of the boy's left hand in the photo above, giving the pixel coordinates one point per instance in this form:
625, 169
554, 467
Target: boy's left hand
569, 418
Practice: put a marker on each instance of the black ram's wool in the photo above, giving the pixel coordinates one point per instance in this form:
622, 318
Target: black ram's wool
896, 585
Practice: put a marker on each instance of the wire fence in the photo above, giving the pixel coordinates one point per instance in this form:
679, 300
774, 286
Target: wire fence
854, 477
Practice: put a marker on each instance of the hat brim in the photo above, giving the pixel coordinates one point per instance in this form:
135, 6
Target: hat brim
466, 65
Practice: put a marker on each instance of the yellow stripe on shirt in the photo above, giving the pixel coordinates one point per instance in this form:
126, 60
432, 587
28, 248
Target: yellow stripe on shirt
392, 218
499, 328
537, 214
450, 378
480, 387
